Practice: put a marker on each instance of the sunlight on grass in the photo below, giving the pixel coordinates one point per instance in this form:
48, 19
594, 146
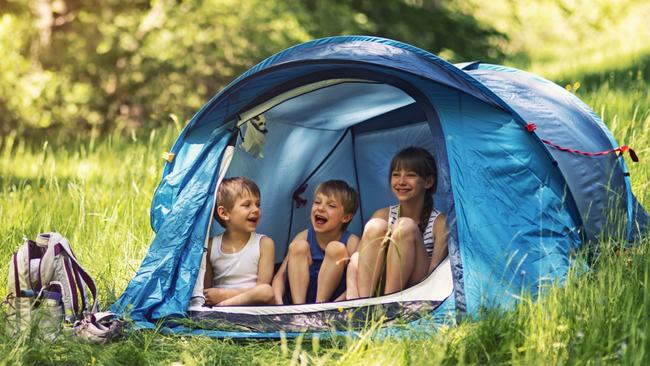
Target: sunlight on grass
98, 195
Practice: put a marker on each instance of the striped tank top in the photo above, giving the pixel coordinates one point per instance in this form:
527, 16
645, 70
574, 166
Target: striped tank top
427, 237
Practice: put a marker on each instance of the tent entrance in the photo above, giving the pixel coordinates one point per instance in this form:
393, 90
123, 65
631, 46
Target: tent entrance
345, 129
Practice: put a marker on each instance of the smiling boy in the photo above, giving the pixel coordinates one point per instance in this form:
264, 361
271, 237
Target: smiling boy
240, 261
314, 268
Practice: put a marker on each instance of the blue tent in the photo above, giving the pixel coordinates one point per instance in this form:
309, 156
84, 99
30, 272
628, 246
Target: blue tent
518, 202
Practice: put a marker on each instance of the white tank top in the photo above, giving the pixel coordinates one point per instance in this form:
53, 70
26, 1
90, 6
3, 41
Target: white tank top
235, 270
427, 237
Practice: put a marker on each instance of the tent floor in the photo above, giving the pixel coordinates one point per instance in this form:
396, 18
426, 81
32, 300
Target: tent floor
408, 305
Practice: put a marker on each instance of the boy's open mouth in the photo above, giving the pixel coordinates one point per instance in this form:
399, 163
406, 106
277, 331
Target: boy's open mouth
320, 220
253, 219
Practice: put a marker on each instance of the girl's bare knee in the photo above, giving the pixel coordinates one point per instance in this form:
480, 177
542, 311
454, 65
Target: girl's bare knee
406, 223
404, 228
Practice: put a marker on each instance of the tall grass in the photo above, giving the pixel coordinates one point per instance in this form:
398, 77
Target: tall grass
620, 96
98, 194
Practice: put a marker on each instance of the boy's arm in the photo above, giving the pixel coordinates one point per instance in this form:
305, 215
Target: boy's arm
279, 278
278, 283
267, 261
440, 234
353, 247
215, 296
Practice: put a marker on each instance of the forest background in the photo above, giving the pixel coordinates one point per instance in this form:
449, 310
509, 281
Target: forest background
79, 68
92, 92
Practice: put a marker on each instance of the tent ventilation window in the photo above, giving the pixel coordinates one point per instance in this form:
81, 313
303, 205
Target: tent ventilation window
255, 136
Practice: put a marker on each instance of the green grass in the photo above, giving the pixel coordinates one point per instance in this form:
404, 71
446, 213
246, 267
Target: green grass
98, 195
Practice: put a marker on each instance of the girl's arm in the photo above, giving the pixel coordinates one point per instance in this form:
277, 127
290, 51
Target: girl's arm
440, 234
267, 260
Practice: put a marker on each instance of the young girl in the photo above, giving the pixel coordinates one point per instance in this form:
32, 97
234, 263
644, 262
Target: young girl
404, 242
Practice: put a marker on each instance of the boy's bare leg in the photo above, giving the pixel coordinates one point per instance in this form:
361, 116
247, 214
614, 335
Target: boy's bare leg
299, 259
331, 271
406, 260
352, 289
261, 294
371, 256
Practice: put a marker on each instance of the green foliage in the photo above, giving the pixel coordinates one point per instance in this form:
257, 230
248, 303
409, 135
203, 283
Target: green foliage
85, 68
435, 26
553, 36
98, 191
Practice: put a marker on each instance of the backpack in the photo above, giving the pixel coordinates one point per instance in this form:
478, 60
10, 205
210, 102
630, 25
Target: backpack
47, 286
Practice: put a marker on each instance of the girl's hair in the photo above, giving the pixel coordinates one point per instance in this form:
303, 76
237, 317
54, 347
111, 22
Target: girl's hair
232, 188
421, 162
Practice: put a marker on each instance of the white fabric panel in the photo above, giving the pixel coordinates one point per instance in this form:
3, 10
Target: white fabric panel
340, 106
291, 94
437, 287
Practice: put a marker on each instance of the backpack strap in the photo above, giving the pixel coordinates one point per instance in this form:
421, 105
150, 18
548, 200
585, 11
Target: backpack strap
46, 267
60, 266
83, 281
78, 279
14, 282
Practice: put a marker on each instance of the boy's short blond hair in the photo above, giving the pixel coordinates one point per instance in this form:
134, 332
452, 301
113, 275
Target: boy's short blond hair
232, 188
340, 190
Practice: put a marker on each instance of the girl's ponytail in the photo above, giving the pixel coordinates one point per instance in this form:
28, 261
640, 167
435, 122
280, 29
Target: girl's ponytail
426, 210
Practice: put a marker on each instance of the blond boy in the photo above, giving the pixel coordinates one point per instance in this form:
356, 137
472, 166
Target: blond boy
314, 268
240, 261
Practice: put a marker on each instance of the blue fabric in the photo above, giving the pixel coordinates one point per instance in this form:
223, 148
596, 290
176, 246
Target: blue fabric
338, 106
515, 231
373, 50
164, 282
597, 184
